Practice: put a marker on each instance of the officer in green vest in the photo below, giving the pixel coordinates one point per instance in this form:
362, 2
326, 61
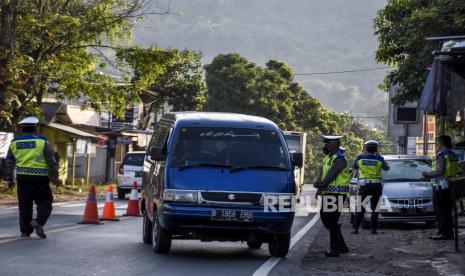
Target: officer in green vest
369, 166
445, 166
32, 157
333, 186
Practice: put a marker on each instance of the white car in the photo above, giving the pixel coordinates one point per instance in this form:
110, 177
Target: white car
129, 171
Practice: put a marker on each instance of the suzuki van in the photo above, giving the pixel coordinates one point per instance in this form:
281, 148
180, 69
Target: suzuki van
210, 177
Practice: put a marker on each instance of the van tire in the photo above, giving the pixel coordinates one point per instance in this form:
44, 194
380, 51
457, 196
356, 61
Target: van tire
254, 244
146, 230
121, 194
279, 246
161, 238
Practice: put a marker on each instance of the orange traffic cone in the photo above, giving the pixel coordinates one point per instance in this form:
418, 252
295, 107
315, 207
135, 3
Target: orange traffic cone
91, 211
133, 209
109, 208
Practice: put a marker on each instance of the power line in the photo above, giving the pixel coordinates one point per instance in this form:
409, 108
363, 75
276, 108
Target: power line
368, 117
341, 72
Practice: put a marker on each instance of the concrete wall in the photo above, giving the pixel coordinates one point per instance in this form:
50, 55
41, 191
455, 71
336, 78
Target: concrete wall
97, 165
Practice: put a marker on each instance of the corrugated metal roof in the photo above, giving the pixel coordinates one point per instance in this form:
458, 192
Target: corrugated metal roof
71, 130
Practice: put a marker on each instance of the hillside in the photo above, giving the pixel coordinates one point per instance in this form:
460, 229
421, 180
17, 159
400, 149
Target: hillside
311, 36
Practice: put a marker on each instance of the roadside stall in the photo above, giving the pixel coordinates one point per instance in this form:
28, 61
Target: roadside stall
444, 95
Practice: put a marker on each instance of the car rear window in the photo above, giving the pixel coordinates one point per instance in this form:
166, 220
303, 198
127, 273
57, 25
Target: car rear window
134, 159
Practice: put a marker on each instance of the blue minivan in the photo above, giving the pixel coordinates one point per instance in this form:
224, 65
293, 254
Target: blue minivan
209, 176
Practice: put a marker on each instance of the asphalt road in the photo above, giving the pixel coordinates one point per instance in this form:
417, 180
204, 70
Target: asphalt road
116, 248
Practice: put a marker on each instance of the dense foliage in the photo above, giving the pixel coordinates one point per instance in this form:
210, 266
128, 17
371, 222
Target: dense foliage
402, 27
237, 85
165, 77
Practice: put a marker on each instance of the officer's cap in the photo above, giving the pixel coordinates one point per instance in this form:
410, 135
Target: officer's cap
29, 121
329, 138
372, 143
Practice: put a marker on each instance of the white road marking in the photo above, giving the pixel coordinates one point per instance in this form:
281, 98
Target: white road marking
265, 268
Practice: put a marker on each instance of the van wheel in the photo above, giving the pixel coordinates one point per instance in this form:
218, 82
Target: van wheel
279, 246
146, 229
161, 238
121, 194
254, 244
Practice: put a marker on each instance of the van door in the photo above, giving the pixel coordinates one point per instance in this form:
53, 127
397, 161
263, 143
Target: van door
156, 174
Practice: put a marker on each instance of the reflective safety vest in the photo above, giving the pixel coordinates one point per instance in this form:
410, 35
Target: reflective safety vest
340, 185
28, 151
451, 161
370, 167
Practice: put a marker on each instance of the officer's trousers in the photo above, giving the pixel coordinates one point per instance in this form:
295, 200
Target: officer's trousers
443, 205
330, 218
33, 189
374, 191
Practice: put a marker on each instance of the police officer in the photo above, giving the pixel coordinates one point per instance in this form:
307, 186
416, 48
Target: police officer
369, 166
445, 166
32, 157
333, 186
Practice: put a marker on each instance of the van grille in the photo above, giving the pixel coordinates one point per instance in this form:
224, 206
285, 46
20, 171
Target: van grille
233, 197
410, 202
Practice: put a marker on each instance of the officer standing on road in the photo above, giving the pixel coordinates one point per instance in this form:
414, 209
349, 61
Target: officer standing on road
445, 166
333, 186
35, 165
369, 166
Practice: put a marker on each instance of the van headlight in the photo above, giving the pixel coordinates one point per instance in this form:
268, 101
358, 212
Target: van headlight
174, 195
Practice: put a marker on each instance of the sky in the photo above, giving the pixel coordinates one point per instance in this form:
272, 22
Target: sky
311, 36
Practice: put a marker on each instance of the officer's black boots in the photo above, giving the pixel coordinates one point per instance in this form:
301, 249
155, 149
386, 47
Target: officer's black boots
332, 253
39, 229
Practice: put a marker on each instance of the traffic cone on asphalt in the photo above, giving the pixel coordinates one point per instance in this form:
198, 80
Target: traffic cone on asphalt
91, 211
133, 209
109, 208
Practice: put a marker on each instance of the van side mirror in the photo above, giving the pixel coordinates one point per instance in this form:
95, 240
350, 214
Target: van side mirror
156, 154
297, 159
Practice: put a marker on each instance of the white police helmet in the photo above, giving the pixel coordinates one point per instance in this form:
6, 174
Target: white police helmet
372, 143
29, 121
331, 138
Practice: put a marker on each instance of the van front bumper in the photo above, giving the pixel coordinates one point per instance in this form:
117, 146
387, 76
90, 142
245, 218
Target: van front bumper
182, 218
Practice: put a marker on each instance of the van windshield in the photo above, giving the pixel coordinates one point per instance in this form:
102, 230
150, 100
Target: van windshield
229, 147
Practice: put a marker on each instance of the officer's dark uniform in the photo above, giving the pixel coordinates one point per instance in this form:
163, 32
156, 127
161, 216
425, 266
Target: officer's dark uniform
333, 186
370, 177
32, 157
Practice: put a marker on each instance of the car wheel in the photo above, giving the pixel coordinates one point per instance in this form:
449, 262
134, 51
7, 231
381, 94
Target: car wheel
146, 229
161, 238
366, 224
279, 246
121, 194
254, 244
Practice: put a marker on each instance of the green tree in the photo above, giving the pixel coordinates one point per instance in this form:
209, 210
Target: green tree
236, 85
402, 27
170, 76
55, 47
